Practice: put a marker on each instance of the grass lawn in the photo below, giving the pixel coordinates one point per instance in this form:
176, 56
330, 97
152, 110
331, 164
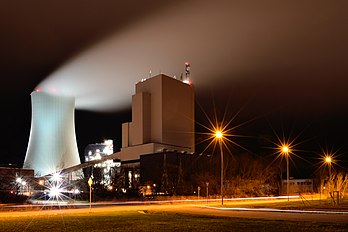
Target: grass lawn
138, 220
301, 204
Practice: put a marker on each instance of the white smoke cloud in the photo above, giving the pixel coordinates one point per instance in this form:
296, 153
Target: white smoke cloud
223, 40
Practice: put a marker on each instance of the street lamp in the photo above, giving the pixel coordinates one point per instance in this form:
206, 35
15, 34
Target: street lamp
285, 150
328, 161
219, 136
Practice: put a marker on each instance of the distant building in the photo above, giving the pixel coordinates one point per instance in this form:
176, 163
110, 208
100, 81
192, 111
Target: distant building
297, 186
16, 181
107, 169
98, 150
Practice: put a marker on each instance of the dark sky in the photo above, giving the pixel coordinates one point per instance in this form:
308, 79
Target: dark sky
284, 63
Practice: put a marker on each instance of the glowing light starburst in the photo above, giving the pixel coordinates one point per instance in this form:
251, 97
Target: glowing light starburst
329, 158
55, 192
286, 146
55, 189
285, 149
220, 132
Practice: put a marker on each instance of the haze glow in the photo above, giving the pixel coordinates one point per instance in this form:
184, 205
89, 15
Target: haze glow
226, 40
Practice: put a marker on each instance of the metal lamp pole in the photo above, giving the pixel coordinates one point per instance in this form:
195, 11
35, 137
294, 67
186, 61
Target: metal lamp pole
222, 174
287, 175
285, 150
219, 136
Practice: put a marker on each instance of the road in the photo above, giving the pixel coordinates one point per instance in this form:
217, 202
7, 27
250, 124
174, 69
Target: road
189, 208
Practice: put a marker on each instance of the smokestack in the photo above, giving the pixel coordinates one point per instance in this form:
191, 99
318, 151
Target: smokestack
52, 142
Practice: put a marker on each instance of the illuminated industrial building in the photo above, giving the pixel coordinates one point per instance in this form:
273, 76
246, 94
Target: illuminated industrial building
106, 169
99, 150
52, 143
162, 118
162, 124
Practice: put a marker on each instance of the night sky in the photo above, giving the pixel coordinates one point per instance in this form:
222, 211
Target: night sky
282, 64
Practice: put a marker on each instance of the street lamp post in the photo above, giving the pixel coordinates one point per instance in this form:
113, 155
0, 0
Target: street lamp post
222, 174
328, 161
285, 150
207, 190
287, 175
219, 136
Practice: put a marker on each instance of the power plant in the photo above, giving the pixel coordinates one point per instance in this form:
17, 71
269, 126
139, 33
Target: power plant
161, 133
52, 143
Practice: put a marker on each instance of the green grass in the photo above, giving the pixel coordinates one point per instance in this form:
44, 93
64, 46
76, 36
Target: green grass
133, 220
302, 204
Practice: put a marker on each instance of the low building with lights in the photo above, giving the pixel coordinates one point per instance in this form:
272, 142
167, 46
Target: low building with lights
98, 150
17, 181
106, 169
298, 186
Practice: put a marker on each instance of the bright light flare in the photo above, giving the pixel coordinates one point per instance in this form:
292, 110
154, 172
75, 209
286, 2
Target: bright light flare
328, 159
285, 149
55, 191
56, 176
218, 134
220, 131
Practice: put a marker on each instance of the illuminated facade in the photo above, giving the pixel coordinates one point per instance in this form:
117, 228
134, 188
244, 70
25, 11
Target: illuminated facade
52, 142
105, 170
98, 150
162, 118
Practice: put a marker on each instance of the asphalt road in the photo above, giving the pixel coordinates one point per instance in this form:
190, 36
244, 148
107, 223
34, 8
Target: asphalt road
331, 217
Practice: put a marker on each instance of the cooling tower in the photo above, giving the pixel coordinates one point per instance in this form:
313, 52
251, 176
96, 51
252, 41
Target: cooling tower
52, 142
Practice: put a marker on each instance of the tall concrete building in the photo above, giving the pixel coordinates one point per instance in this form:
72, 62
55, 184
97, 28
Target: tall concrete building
52, 142
162, 118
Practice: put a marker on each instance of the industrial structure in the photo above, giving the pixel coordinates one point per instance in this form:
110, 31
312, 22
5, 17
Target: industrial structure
157, 149
99, 150
162, 118
52, 143
160, 134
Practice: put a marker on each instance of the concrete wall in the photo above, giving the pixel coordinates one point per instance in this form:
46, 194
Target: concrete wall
172, 110
162, 115
141, 118
153, 86
177, 113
